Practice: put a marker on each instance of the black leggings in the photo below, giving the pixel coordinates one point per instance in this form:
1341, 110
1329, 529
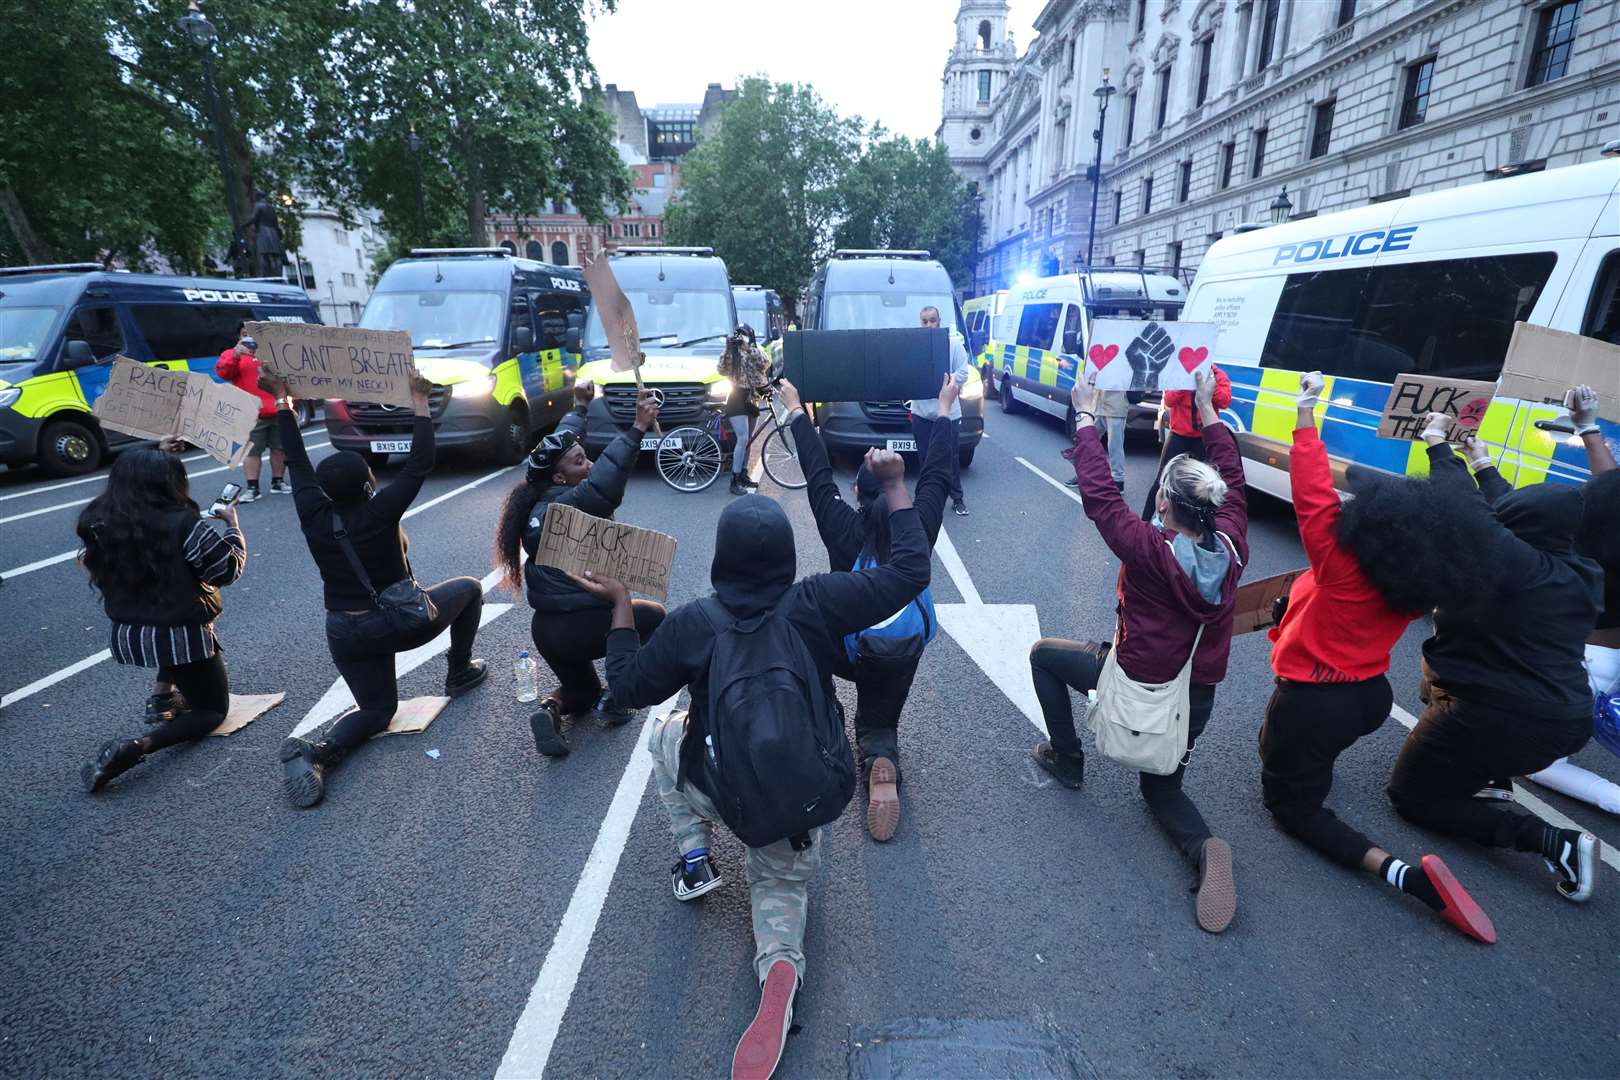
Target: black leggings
1057, 666
363, 647
1458, 748
207, 691
572, 641
881, 689
1307, 727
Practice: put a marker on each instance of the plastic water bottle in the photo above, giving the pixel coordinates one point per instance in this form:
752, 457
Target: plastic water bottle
527, 674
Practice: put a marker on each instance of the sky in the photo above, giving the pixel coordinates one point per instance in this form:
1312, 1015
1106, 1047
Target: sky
879, 59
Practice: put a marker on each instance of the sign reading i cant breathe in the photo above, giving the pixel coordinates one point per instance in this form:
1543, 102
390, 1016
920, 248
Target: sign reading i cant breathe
574, 542
345, 362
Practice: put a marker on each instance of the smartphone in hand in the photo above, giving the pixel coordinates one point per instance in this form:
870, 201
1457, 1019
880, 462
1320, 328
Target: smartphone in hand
227, 496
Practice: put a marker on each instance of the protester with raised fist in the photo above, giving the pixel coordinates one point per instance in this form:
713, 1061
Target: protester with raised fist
374, 607
924, 412
762, 745
1508, 689
1177, 581
884, 663
570, 624
745, 365
1397, 550
159, 564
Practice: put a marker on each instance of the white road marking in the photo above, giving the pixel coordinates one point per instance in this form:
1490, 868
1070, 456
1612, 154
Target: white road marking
530, 1047
954, 567
1042, 473
431, 503
1527, 800
55, 677
997, 636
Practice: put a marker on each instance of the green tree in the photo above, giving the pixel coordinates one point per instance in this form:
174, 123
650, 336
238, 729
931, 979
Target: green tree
904, 194
763, 190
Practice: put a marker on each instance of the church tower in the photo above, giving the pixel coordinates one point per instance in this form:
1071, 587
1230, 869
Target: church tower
974, 75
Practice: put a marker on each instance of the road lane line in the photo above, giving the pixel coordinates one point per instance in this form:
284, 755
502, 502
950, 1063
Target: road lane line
431, 503
1042, 473
81, 502
1527, 800
55, 677
954, 567
536, 1031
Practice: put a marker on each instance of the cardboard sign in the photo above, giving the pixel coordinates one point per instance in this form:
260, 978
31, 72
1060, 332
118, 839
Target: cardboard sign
1256, 600
617, 317
574, 542
867, 365
1128, 354
338, 361
246, 708
154, 402
1412, 397
1543, 364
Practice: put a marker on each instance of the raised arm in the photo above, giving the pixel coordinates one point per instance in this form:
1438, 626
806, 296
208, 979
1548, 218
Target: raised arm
1486, 475
601, 492
1126, 534
307, 494
1515, 558
217, 560
854, 600
1310, 479
838, 522
395, 497
1582, 403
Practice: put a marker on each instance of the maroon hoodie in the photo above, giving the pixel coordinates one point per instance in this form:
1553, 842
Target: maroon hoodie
1160, 604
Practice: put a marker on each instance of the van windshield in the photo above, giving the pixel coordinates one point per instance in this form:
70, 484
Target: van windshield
751, 311
690, 316
25, 331
883, 310
438, 319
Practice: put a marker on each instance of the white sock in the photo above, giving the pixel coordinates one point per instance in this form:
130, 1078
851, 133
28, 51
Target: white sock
1395, 873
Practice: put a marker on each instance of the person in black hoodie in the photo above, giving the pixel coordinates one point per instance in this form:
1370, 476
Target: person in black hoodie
881, 684
342, 494
159, 566
1508, 692
570, 625
753, 572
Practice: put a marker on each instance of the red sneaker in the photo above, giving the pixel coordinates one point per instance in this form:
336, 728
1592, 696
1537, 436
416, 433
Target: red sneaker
1460, 910
760, 1047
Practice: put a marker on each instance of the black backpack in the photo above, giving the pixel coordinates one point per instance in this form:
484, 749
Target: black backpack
776, 758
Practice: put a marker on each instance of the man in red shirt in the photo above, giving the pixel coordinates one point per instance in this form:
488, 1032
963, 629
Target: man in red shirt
239, 366
1186, 434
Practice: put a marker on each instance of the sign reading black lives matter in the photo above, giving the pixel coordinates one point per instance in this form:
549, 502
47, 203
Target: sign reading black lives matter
345, 362
574, 542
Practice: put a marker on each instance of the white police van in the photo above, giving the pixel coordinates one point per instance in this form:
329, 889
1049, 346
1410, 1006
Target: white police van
1430, 284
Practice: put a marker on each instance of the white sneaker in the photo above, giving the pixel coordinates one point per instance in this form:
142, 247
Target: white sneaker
1576, 864
249, 495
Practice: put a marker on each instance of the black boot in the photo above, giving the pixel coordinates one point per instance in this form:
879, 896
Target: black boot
115, 758
737, 485
464, 678
546, 726
304, 766
161, 708
611, 711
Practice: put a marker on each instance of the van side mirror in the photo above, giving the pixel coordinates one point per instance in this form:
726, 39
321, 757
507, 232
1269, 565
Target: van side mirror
1071, 342
77, 354
571, 337
522, 339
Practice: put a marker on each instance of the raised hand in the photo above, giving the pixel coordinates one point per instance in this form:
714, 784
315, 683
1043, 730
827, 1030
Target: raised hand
584, 391
646, 410
1147, 355
1582, 403
1310, 389
788, 395
1085, 398
1435, 427
948, 393
887, 466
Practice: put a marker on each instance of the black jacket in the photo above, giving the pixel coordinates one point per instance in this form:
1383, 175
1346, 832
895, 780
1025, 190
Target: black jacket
373, 524
1525, 652
546, 587
753, 571
848, 530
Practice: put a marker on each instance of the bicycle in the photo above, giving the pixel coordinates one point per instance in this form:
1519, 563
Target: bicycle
691, 458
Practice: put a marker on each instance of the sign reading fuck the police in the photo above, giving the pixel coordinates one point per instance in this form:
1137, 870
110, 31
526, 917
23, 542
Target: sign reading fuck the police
575, 542
1129, 354
345, 362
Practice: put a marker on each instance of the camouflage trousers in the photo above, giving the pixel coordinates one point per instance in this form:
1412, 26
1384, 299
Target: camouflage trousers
778, 877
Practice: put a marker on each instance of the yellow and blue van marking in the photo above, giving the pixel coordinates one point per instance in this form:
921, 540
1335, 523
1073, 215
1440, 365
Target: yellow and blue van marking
1042, 366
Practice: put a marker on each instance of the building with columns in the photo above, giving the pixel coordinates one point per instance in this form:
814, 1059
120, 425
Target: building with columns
1235, 111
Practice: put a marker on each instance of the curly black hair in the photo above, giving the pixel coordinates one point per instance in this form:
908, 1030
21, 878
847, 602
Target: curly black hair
1418, 543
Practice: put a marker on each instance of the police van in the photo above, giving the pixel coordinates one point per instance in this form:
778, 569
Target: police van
980, 316
875, 290
62, 326
489, 330
760, 309
684, 312
1430, 284
1046, 323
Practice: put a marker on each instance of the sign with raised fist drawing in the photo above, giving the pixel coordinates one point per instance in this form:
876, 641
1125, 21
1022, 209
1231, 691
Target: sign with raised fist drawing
1129, 354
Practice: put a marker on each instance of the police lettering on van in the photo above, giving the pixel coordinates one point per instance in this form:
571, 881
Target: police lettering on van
1373, 242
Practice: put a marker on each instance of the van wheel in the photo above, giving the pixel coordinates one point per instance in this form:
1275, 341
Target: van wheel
964, 456
514, 441
987, 376
306, 413
1008, 405
68, 448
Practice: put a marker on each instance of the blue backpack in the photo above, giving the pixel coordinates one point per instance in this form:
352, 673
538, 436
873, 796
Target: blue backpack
1606, 722
902, 635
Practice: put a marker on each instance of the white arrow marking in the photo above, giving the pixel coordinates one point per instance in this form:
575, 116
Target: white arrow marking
997, 636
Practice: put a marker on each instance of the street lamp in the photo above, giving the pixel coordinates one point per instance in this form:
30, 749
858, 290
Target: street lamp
414, 141
1280, 207
331, 290
1102, 94
203, 34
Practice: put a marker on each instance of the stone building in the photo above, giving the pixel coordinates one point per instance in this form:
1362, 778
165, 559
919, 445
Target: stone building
1234, 111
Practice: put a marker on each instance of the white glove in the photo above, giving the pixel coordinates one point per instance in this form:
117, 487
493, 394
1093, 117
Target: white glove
1310, 390
1436, 424
1582, 403
1477, 453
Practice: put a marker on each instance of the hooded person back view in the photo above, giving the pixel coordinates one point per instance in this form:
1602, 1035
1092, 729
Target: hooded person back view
756, 577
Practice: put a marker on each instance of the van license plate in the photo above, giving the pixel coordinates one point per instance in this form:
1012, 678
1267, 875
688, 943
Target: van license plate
650, 442
390, 446
903, 444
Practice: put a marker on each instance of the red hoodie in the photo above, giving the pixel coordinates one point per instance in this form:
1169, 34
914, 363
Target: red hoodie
1160, 607
242, 369
1179, 404
1337, 628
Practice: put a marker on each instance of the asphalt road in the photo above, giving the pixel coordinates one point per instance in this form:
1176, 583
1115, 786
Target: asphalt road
187, 922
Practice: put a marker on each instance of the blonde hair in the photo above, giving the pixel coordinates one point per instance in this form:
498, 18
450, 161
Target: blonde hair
1195, 489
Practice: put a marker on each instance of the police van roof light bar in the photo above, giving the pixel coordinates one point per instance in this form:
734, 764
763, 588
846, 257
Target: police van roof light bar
700, 252
54, 268
880, 253
456, 253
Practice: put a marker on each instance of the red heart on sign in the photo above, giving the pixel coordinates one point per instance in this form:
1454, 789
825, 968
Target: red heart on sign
1191, 358
1101, 355
1472, 413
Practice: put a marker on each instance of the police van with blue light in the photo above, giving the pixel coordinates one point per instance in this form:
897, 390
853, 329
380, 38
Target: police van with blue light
1429, 285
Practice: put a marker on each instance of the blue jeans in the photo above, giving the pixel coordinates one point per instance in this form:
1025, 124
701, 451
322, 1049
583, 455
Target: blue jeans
1113, 436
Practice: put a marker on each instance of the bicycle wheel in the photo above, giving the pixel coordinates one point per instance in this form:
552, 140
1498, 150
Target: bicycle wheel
782, 462
688, 459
